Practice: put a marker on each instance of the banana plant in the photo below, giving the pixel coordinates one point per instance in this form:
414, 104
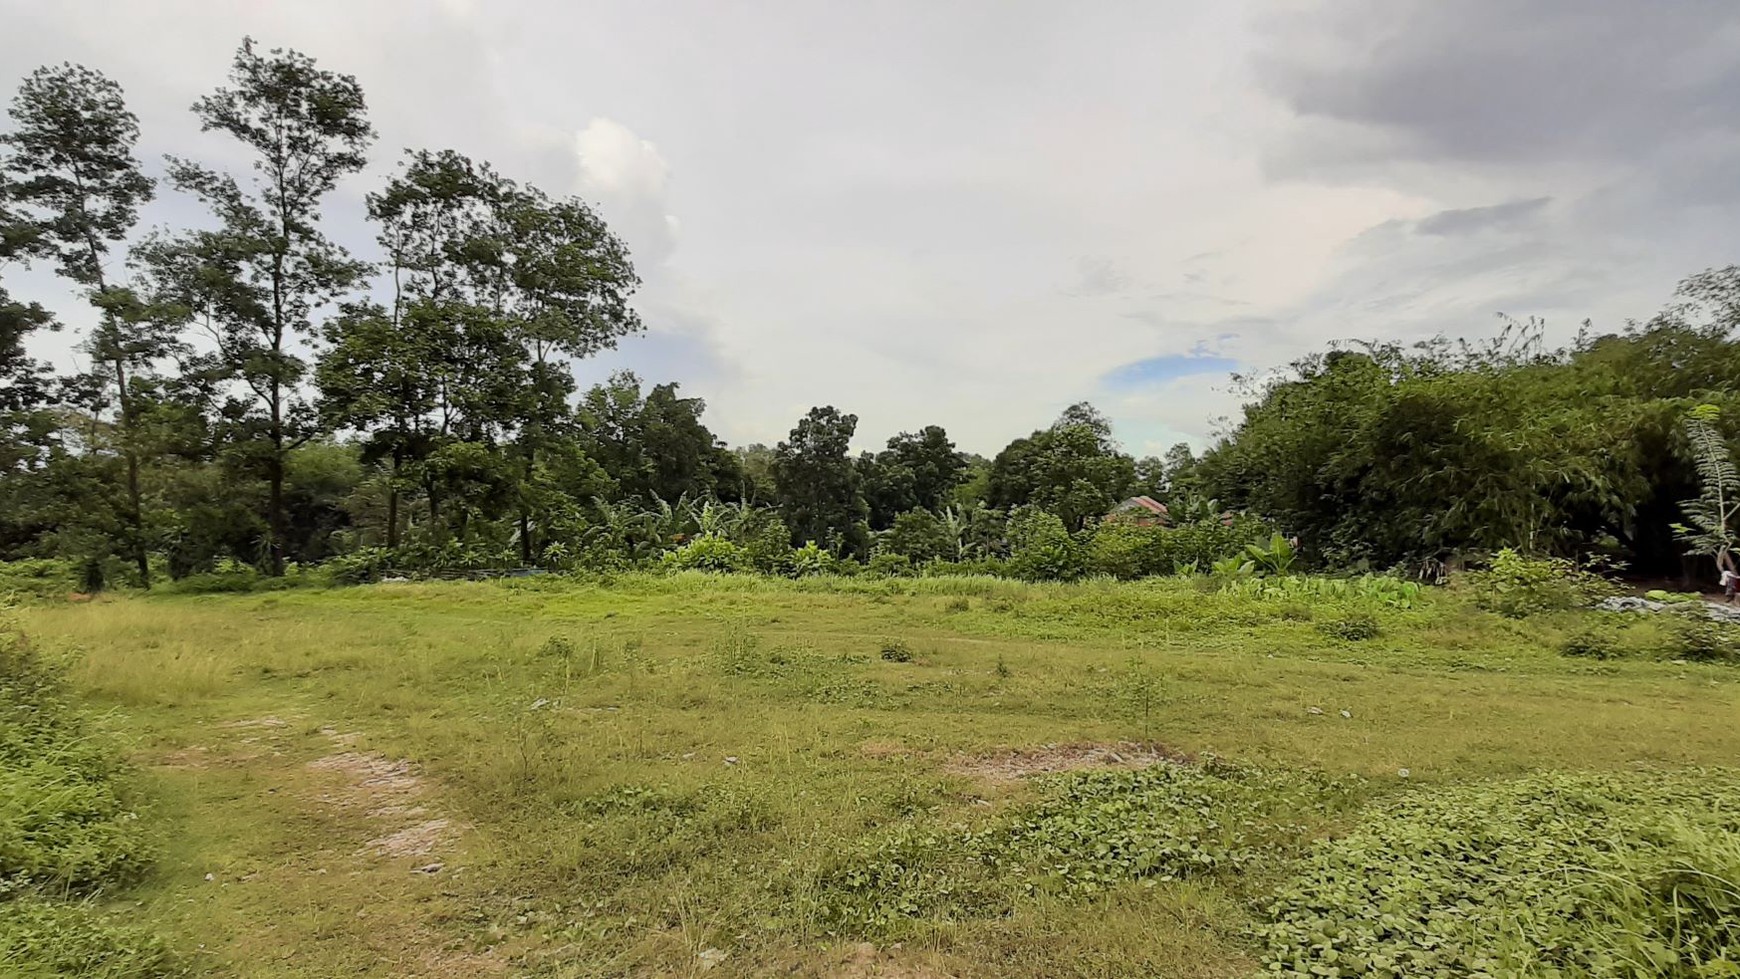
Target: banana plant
1277, 558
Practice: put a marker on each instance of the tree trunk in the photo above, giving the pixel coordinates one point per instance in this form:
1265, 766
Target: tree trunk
393, 505
276, 528
525, 538
135, 509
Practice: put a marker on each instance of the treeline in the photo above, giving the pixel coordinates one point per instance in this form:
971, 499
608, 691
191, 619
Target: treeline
1377, 455
256, 394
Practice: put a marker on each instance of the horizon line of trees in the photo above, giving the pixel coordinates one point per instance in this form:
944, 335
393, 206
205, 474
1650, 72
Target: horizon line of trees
257, 394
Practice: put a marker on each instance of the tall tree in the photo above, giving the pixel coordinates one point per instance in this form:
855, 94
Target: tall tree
1073, 469
503, 286
72, 150
567, 281
818, 487
25, 383
378, 378
917, 469
654, 444
263, 275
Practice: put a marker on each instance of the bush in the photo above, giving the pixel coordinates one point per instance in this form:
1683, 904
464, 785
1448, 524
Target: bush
1706, 641
67, 828
360, 566
1201, 543
884, 565
707, 553
917, 534
810, 560
766, 545
1090, 832
1126, 551
1625, 875
1040, 549
896, 651
1593, 643
39, 578
990, 567
1351, 627
1516, 586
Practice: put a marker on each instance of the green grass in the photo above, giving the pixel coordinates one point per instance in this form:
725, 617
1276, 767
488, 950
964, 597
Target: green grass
638, 771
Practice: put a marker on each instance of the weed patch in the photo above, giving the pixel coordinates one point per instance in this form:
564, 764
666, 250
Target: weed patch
1090, 832
1626, 875
67, 827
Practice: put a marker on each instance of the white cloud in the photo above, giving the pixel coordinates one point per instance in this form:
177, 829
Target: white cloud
614, 161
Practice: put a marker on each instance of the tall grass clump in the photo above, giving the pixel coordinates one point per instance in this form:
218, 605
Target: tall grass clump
69, 830
1559, 875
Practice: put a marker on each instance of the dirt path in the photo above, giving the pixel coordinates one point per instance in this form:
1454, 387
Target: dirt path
299, 852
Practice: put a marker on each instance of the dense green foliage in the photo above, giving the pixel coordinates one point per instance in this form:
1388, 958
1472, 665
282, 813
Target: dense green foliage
1634, 875
1378, 454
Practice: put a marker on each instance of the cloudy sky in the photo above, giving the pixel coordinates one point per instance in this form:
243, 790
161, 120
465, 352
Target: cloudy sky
976, 213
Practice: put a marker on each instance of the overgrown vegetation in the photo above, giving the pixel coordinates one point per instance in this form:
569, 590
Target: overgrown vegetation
69, 831
1634, 875
993, 775
1088, 833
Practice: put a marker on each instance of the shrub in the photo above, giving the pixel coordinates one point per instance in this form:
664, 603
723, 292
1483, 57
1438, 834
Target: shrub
1124, 550
65, 820
919, 535
1041, 549
1516, 586
1593, 643
707, 553
885, 565
896, 651
977, 567
558, 647
38, 578
360, 566
1274, 557
766, 544
809, 560
227, 576
1351, 627
1089, 832
1200, 543
1705, 640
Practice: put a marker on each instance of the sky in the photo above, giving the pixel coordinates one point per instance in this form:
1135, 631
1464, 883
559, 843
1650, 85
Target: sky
974, 213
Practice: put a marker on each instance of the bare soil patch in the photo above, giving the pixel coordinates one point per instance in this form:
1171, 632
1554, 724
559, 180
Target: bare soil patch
391, 793
1013, 764
866, 961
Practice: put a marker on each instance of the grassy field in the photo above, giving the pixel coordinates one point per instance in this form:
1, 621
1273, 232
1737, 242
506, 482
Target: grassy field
682, 775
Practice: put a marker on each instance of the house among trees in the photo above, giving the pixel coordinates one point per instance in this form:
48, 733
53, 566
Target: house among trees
1140, 511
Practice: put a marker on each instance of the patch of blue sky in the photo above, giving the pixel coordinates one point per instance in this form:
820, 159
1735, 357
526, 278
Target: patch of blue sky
1158, 370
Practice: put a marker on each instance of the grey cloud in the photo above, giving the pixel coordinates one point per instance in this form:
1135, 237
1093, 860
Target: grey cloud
1495, 81
1097, 276
1467, 220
